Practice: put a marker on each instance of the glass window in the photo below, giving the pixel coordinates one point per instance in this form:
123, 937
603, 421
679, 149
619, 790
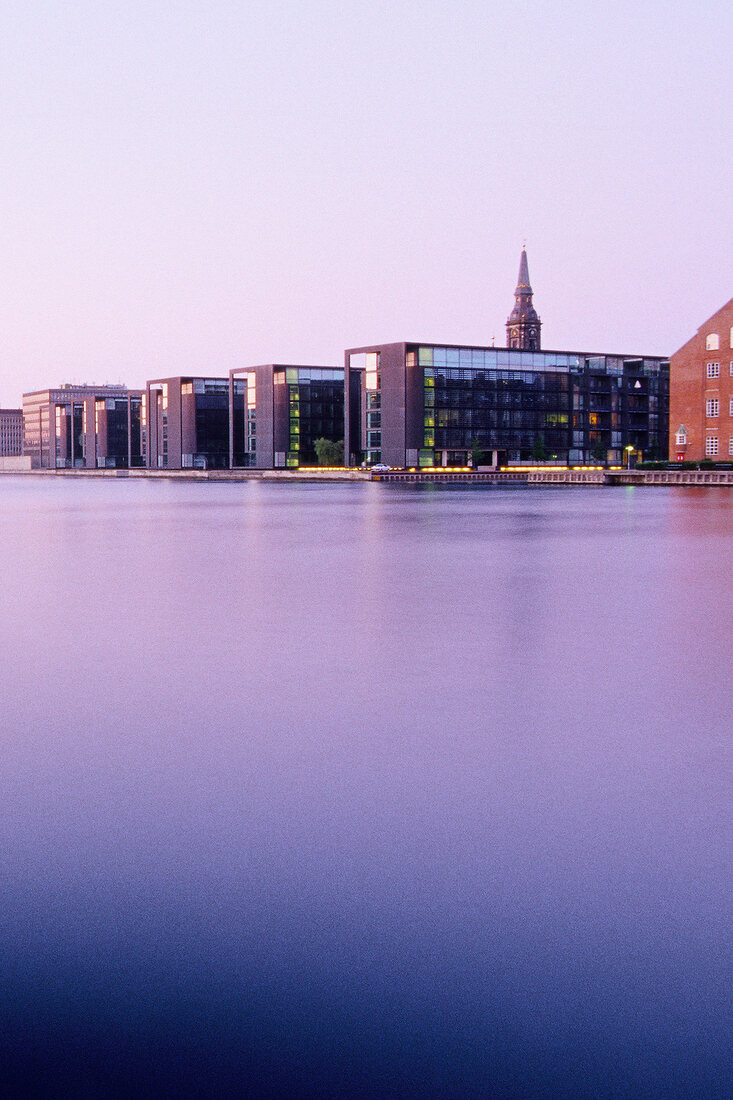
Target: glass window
712, 341
712, 406
713, 370
711, 446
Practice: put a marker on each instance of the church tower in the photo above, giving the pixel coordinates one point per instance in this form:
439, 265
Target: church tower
523, 325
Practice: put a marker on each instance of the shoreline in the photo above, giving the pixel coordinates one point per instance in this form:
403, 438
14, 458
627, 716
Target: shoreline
588, 477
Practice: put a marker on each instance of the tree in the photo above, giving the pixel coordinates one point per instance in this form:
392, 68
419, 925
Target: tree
478, 455
329, 453
598, 451
539, 452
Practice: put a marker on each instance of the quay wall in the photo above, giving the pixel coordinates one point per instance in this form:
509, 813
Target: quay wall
202, 475
706, 478
567, 477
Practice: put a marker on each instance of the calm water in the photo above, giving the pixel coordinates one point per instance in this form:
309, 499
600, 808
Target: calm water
357, 790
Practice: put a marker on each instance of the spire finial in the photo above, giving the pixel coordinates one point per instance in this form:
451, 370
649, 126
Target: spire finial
523, 325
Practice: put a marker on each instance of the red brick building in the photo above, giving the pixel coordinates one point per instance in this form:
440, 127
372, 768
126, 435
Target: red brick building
701, 393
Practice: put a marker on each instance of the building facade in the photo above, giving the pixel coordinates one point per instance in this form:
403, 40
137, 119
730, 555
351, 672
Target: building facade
285, 408
701, 393
422, 404
187, 423
84, 427
11, 433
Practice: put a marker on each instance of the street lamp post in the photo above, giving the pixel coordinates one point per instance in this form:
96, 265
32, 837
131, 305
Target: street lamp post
629, 452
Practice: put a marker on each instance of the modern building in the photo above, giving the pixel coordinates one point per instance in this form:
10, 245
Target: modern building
701, 393
422, 404
11, 432
84, 427
187, 423
278, 411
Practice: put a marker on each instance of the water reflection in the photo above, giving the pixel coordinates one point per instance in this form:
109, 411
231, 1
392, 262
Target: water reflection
346, 790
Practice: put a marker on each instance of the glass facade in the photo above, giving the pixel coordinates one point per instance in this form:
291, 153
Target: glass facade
210, 416
281, 410
315, 407
539, 405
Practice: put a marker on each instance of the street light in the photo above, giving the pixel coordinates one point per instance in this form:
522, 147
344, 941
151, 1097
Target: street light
629, 452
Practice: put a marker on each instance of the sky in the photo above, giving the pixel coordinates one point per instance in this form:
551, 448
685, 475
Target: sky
194, 186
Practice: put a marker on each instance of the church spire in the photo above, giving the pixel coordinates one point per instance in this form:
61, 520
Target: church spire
523, 325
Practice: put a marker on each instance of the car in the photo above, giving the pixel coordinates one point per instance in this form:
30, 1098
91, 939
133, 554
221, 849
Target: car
380, 468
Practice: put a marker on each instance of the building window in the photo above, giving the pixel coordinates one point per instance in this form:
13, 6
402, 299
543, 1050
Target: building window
712, 341
711, 446
712, 406
730, 446
731, 407
681, 438
713, 370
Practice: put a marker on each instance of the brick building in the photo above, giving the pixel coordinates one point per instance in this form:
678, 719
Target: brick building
701, 393
11, 432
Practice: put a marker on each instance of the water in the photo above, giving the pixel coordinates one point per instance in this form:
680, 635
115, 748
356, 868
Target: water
355, 790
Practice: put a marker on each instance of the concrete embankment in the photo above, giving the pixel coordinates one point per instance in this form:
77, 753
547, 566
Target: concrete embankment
597, 477
201, 475
565, 477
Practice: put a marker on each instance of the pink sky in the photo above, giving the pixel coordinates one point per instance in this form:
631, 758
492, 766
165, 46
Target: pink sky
195, 186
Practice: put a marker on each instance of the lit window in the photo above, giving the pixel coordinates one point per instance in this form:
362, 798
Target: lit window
712, 406
713, 370
712, 341
711, 446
